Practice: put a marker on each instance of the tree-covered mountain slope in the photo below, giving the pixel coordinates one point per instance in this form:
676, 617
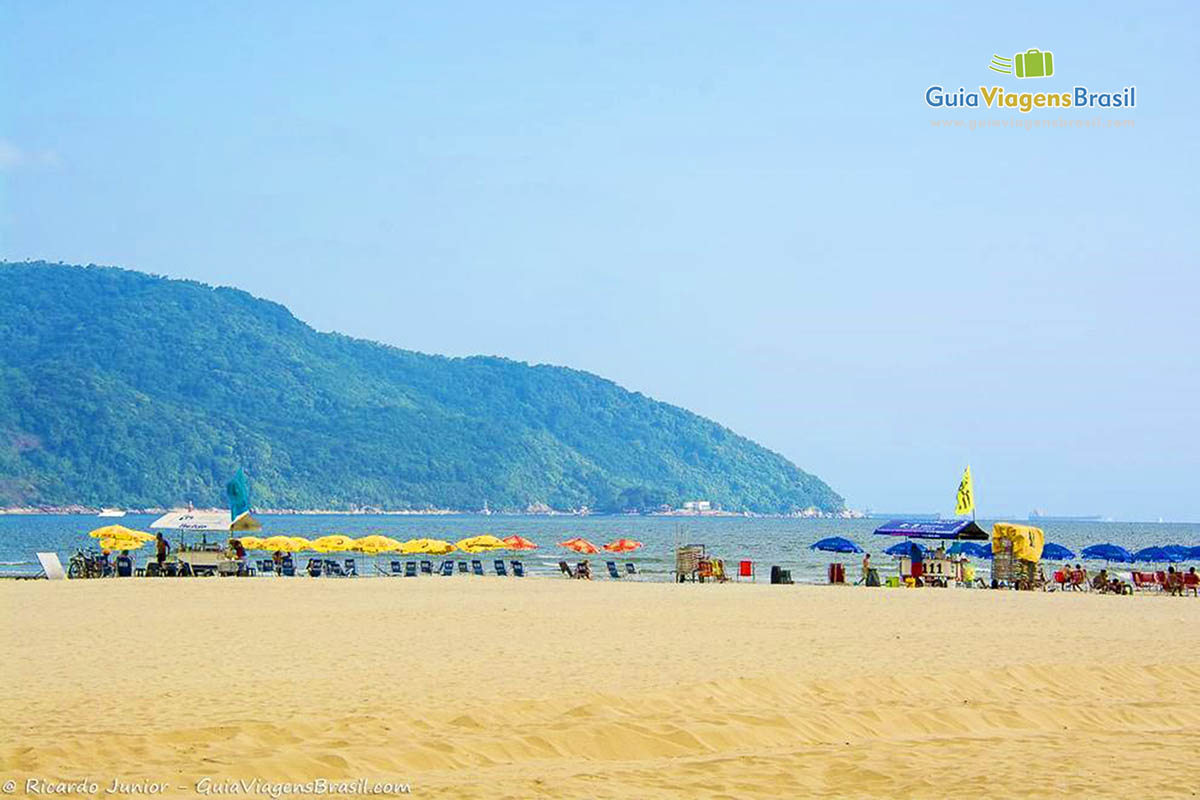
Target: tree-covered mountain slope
119, 388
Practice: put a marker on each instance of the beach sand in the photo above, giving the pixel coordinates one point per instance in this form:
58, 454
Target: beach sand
554, 688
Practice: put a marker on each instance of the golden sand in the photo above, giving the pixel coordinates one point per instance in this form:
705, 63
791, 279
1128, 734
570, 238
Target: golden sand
554, 688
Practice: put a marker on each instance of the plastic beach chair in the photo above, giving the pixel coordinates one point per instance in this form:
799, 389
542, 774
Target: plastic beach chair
288, 567
446, 569
631, 568
565, 569
51, 566
613, 572
426, 567
518, 569
124, 567
397, 569
500, 570
410, 569
477, 567
463, 569
350, 569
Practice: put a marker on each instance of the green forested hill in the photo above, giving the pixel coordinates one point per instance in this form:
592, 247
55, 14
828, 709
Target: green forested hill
118, 388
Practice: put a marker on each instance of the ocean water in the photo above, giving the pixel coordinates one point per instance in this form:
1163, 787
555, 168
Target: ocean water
765, 541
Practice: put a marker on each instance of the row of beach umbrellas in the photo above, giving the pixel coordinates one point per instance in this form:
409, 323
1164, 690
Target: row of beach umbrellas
1172, 553
118, 537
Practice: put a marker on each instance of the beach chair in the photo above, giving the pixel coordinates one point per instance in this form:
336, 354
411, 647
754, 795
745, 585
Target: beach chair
477, 567
288, 567
613, 572
518, 569
124, 567
746, 570
52, 568
397, 569
410, 569
426, 567
631, 568
333, 569
565, 569
500, 570
1191, 583
446, 569
313, 567
463, 569
718, 570
1141, 581
1079, 580
350, 569
1160, 578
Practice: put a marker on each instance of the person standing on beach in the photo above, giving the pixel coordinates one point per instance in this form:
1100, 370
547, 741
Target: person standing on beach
866, 567
160, 549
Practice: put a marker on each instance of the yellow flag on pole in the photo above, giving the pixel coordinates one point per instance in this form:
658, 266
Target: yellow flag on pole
966, 494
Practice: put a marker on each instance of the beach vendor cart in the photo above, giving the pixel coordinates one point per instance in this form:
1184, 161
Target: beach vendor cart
935, 566
1016, 554
204, 557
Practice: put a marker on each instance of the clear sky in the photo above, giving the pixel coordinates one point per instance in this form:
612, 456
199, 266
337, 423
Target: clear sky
741, 208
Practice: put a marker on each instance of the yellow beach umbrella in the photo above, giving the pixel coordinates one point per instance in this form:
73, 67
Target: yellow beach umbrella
113, 545
433, 547
335, 543
121, 532
481, 544
249, 542
284, 544
375, 544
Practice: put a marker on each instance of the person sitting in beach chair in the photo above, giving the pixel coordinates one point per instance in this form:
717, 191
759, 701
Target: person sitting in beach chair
1174, 582
584, 570
1100, 582
124, 565
613, 572
277, 558
1191, 582
313, 568
1079, 579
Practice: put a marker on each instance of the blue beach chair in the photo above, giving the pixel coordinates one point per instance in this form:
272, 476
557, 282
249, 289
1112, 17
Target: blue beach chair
446, 569
613, 572
410, 569
477, 567
288, 567
500, 570
631, 568
426, 567
350, 569
518, 569
462, 568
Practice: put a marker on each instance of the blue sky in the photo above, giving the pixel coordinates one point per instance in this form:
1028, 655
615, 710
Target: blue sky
741, 208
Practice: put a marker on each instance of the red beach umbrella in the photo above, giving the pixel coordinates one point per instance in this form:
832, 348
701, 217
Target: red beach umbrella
622, 546
580, 546
519, 543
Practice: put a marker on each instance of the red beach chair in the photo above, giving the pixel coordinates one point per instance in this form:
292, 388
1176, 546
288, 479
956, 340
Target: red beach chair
746, 569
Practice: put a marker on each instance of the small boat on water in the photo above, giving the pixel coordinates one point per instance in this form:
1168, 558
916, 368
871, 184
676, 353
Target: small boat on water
111, 512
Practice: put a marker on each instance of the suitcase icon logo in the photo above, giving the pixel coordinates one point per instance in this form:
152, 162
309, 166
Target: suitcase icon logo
1033, 63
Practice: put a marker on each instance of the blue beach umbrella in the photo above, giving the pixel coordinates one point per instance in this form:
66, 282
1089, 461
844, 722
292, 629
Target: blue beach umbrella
1177, 552
1193, 554
1107, 552
973, 549
910, 549
1152, 555
836, 544
1056, 552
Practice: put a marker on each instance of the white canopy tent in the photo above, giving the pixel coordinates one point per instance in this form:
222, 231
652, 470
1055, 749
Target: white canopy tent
205, 521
